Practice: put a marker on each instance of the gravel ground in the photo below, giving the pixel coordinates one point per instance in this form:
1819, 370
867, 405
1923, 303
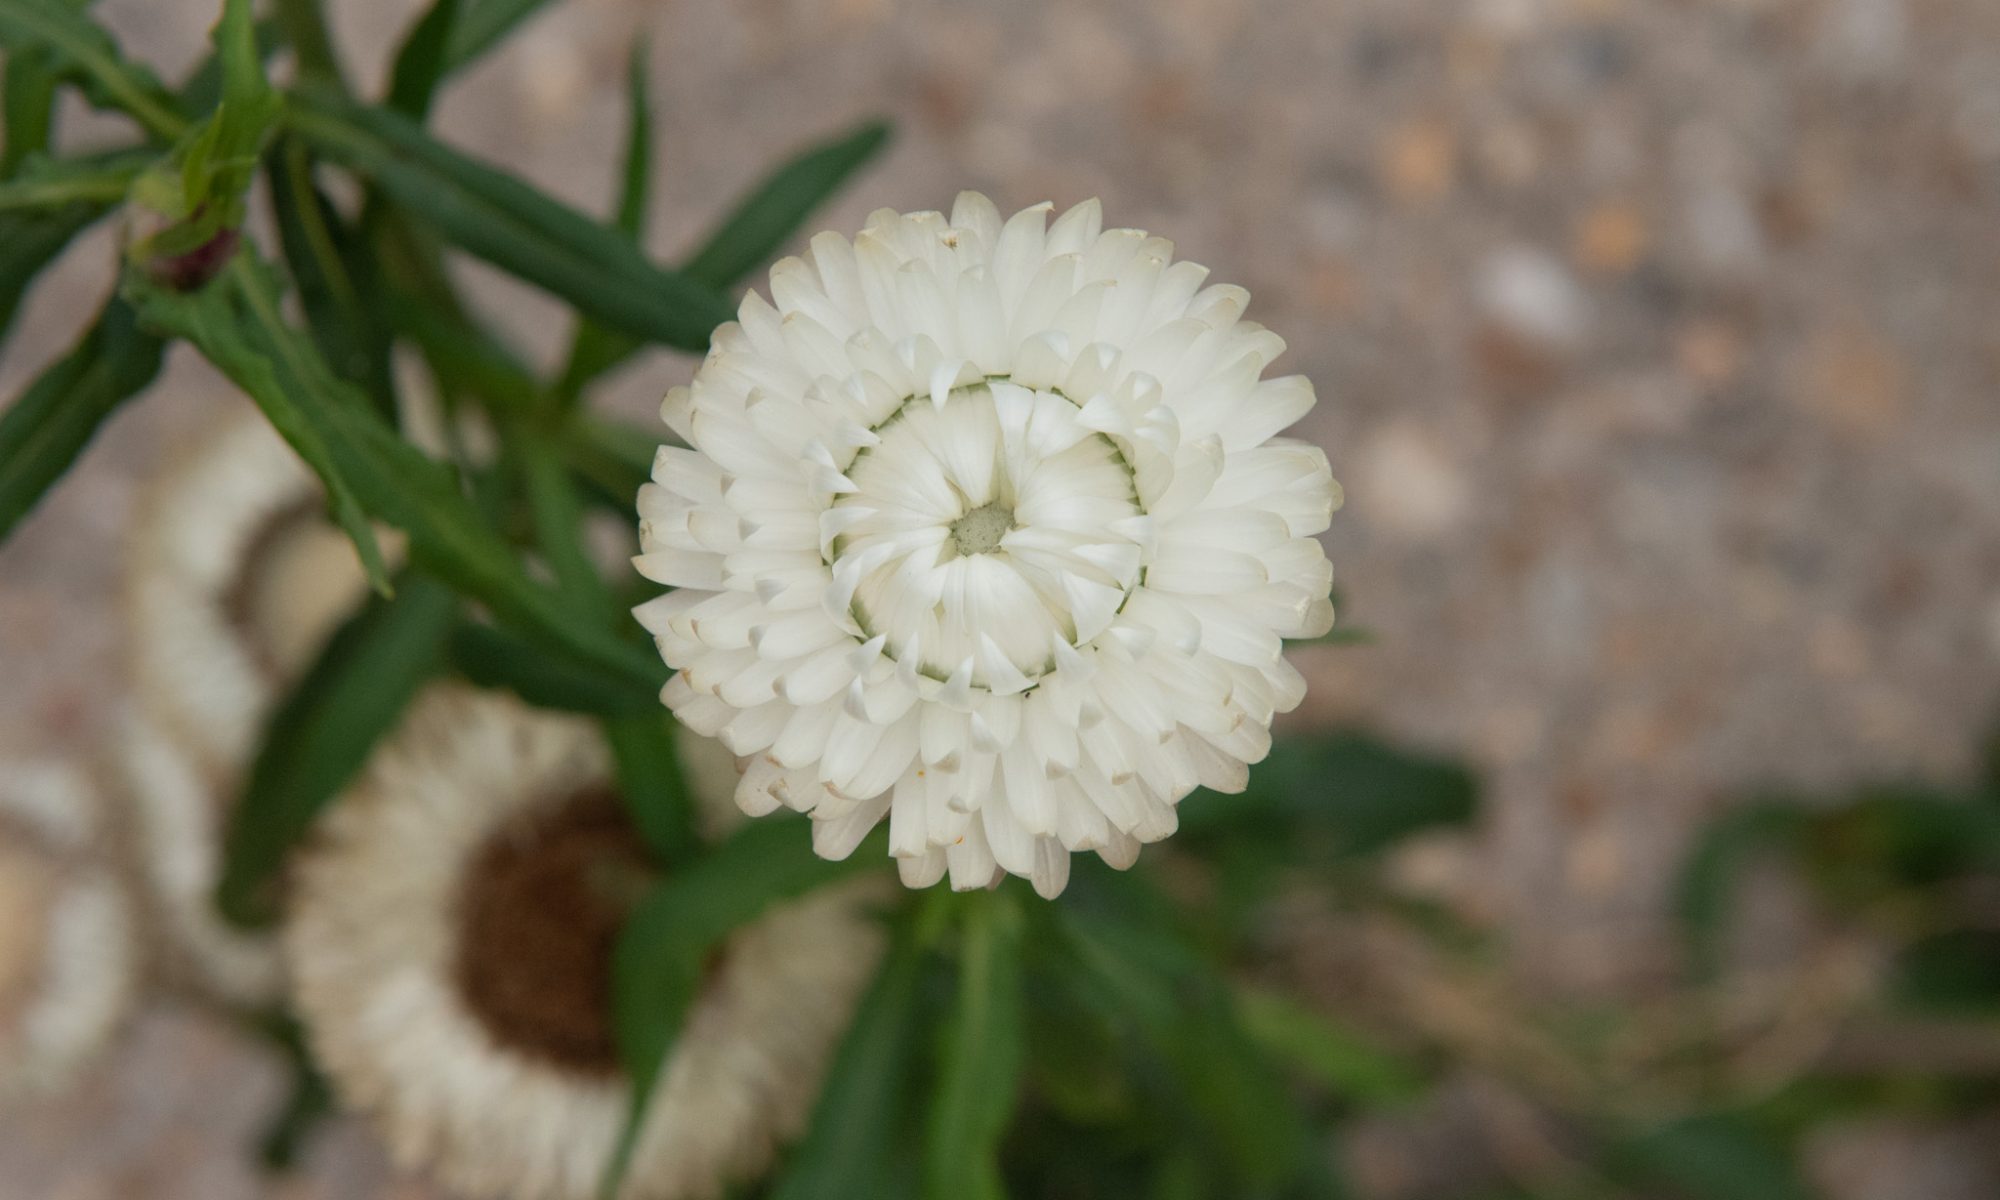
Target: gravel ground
1655, 345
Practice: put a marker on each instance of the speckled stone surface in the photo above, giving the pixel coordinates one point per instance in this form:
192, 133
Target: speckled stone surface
1655, 345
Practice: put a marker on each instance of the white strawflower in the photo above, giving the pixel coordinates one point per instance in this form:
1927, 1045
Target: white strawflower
68, 955
449, 941
234, 579
984, 525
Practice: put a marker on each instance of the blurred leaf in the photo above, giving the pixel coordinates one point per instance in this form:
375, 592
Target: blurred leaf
484, 25
305, 30
1956, 970
1130, 962
201, 90
651, 782
327, 263
96, 180
235, 324
78, 48
309, 1102
852, 1147
29, 242
1341, 794
1706, 892
517, 228
613, 457
780, 204
27, 100
495, 658
44, 431
1339, 635
1314, 1044
422, 62
658, 965
981, 1056
1713, 1156
200, 193
321, 735
597, 350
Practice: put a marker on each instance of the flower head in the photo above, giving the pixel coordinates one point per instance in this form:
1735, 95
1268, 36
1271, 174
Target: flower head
68, 955
983, 524
450, 939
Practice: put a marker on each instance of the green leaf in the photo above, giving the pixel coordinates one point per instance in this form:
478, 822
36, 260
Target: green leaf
44, 431
78, 48
1318, 1045
28, 96
96, 180
199, 195
657, 967
1339, 793
980, 1059
484, 25
780, 204
495, 658
1714, 1156
1706, 891
305, 30
29, 242
201, 89
327, 262
651, 783
597, 350
511, 225
422, 62
852, 1146
324, 731
235, 324
614, 457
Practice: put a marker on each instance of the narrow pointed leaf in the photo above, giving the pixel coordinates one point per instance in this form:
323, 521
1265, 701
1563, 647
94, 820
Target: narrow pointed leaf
657, 968
388, 478
44, 431
78, 48
30, 241
513, 226
496, 658
485, 24
28, 96
422, 62
94, 179
235, 323
324, 731
775, 209
851, 1147
597, 350
651, 783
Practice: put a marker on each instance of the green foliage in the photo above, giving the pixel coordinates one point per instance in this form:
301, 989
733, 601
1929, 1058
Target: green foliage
854, 1144
516, 228
769, 214
60, 35
320, 736
980, 1056
663, 949
49, 426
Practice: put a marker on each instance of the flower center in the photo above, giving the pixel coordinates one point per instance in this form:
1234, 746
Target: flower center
539, 910
982, 532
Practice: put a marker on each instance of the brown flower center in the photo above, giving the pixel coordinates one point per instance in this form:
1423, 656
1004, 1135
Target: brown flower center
540, 909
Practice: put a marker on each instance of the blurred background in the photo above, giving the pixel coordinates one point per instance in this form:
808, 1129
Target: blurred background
1658, 348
